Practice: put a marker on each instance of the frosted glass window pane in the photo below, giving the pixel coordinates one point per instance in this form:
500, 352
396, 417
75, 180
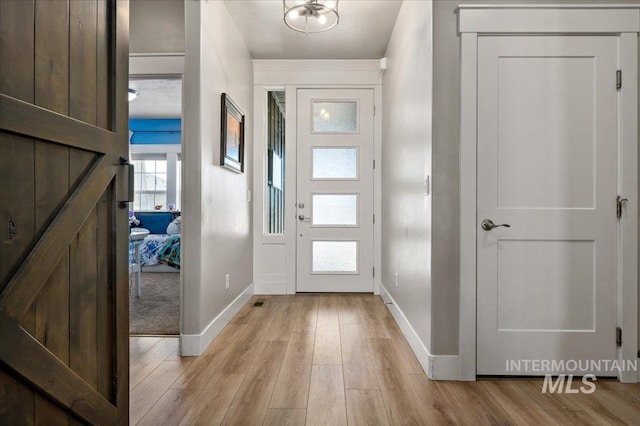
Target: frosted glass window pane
335, 117
335, 163
335, 256
335, 209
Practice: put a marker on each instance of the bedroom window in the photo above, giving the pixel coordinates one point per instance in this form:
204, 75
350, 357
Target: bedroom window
150, 184
275, 162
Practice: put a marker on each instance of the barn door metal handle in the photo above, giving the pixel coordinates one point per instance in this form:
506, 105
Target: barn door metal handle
488, 225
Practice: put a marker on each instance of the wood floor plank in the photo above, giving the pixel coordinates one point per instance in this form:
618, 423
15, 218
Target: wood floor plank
252, 399
308, 315
213, 403
326, 404
365, 407
171, 407
513, 400
138, 345
283, 321
285, 417
327, 349
245, 348
210, 363
150, 360
371, 320
410, 363
348, 312
292, 385
356, 360
402, 403
152, 387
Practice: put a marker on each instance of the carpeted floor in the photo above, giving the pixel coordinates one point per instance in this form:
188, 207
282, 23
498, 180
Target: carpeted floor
157, 310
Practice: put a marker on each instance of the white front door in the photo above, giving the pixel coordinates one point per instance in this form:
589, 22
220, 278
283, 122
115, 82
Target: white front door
547, 166
335, 190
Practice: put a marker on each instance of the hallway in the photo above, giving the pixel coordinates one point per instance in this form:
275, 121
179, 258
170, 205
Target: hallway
336, 359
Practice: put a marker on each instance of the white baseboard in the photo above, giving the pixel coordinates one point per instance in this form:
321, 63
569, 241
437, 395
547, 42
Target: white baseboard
196, 344
437, 367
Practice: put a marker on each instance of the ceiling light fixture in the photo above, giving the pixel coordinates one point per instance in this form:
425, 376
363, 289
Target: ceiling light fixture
133, 93
310, 16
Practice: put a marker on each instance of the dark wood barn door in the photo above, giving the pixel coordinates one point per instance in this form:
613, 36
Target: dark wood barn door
63, 236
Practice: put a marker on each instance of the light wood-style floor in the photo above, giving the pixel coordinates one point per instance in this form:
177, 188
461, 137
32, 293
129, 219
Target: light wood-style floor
335, 360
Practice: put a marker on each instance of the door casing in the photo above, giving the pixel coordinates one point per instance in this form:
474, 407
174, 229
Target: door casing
623, 21
280, 278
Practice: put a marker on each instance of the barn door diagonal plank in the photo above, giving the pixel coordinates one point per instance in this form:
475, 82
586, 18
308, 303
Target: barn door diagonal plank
24, 286
46, 372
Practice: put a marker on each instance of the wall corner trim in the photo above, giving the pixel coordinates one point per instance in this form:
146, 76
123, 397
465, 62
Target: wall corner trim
196, 344
437, 367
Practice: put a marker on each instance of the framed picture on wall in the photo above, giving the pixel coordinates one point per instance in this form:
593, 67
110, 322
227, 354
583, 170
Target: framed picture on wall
232, 136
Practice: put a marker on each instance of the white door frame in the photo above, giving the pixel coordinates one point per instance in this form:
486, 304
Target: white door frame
622, 20
291, 75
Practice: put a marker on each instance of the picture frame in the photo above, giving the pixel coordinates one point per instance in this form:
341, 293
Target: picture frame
231, 136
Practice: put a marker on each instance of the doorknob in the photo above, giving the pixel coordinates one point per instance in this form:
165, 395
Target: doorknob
488, 225
303, 218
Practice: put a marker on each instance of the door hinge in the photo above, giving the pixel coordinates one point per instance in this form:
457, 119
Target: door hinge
374, 110
618, 337
374, 219
618, 79
619, 202
374, 164
374, 272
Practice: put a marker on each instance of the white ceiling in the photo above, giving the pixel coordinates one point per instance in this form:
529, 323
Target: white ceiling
158, 98
363, 32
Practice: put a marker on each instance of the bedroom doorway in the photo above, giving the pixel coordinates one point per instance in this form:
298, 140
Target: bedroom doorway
155, 216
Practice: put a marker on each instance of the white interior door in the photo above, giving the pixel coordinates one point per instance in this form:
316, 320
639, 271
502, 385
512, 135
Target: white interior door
547, 166
335, 190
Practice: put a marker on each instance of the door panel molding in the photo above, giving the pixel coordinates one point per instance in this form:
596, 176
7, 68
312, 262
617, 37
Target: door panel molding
570, 20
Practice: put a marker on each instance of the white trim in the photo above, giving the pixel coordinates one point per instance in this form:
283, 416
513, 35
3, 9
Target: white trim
437, 367
291, 75
196, 344
556, 19
468, 137
628, 187
549, 19
321, 72
161, 64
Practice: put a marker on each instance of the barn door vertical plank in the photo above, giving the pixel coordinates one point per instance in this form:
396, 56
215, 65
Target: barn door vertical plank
52, 187
16, 172
83, 301
16, 49
105, 299
104, 86
82, 60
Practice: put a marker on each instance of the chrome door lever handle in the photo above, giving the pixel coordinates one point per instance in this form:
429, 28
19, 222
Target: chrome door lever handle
303, 218
488, 225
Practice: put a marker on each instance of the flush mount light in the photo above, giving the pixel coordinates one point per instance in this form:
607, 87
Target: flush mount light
133, 93
310, 16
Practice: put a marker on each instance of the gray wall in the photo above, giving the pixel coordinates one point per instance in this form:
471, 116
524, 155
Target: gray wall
157, 26
217, 239
446, 114
406, 161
